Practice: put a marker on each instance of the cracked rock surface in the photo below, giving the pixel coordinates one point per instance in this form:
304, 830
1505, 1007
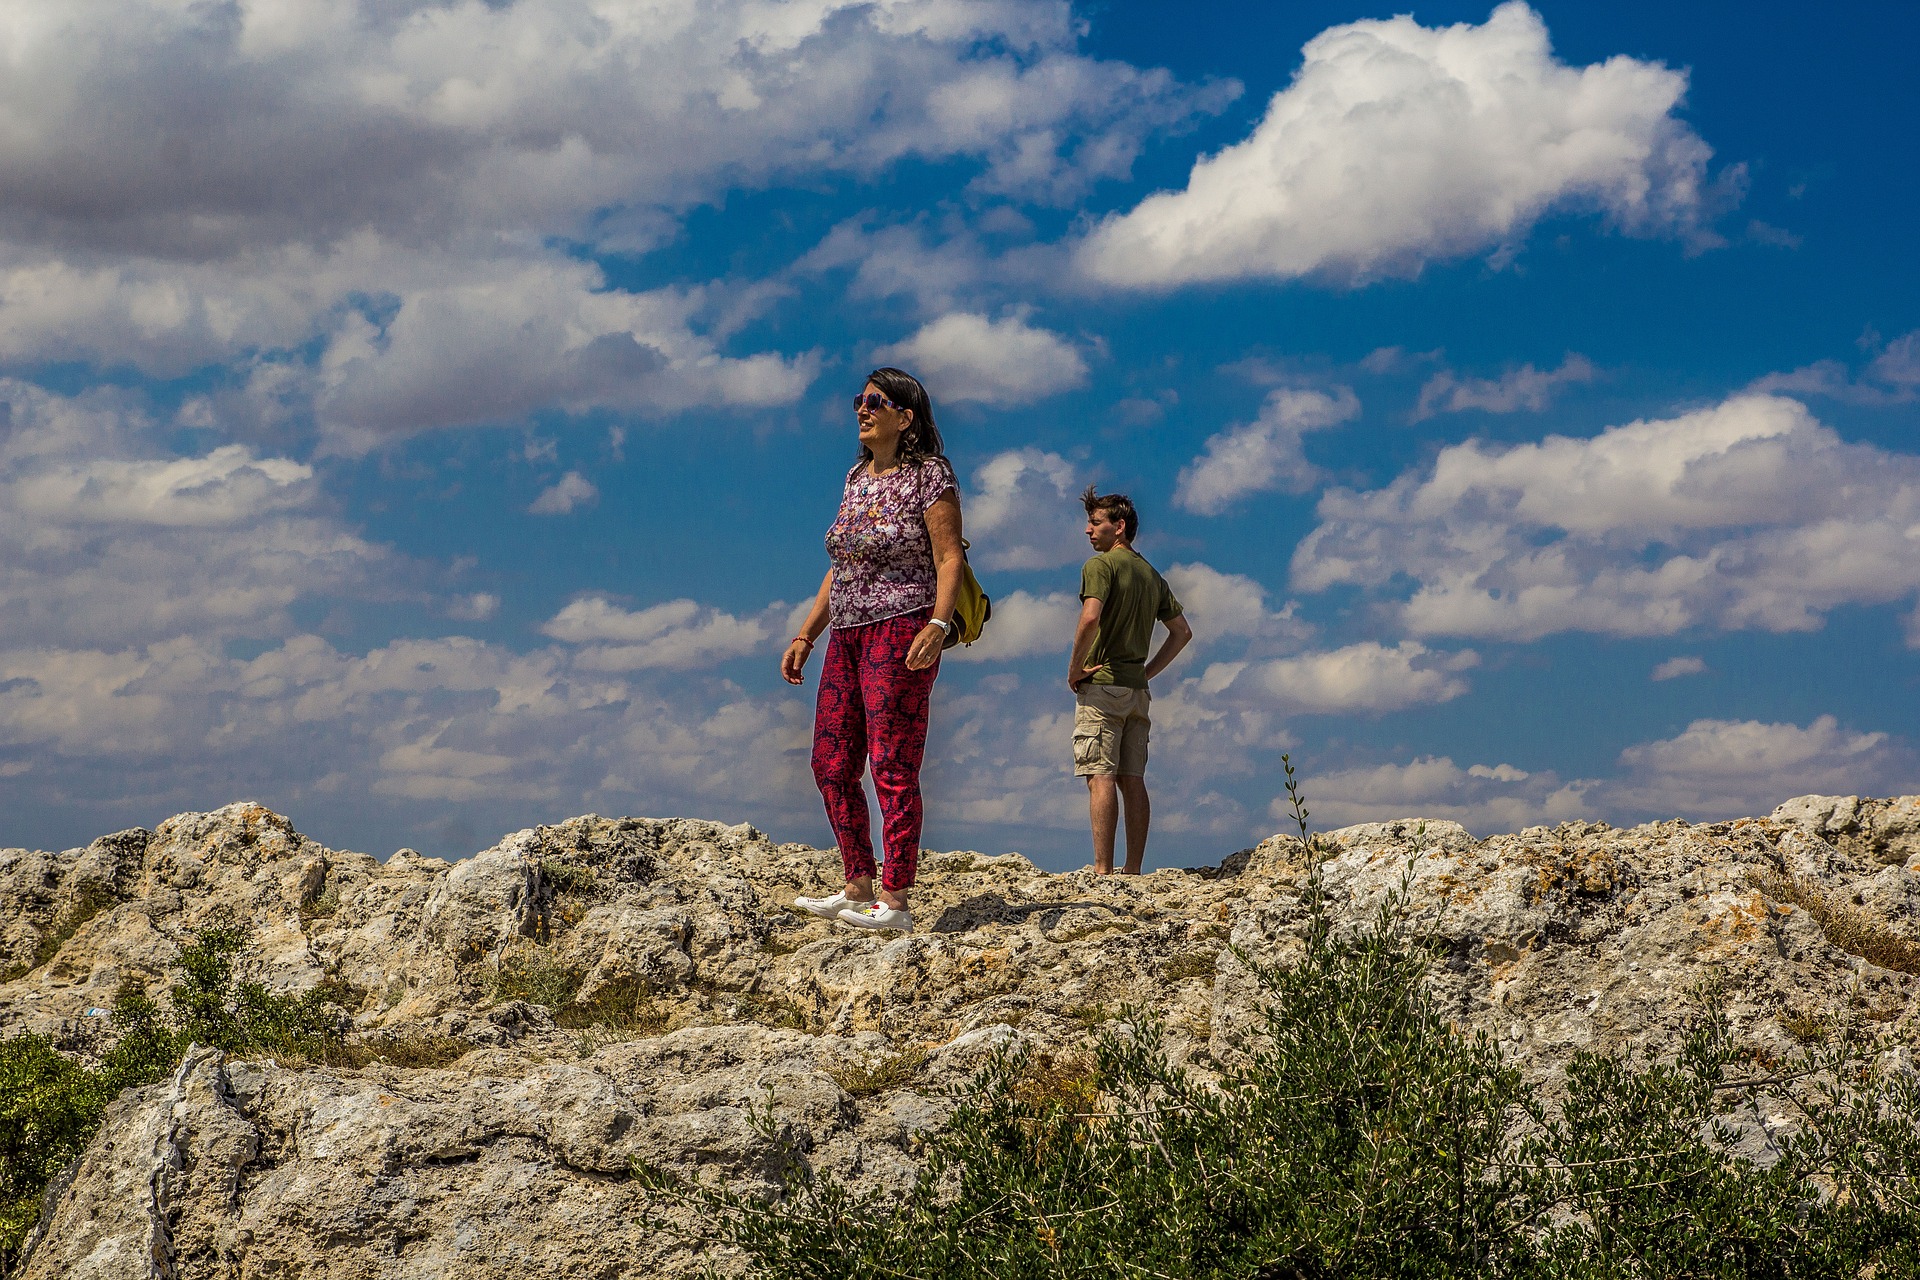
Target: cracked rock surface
769, 1036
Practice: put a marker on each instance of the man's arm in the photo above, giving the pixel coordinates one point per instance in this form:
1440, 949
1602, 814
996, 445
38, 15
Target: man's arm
1078, 672
1178, 634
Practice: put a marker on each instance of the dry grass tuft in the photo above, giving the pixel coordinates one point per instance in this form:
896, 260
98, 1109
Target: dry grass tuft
1193, 964
1057, 1080
779, 944
620, 1010
617, 1012
889, 1071
625, 1006
89, 900
1807, 1028
321, 906
770, 1010
414, 1051
1854, 932
1089, 1015
408, 1050
536, 975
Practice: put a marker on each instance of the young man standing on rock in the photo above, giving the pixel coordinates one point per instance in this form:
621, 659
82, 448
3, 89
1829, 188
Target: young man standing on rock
1121, 597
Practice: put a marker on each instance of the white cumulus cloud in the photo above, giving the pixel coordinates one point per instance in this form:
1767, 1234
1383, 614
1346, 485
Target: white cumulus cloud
371, 217
1731, 768
1748, 514
108, 537
1220, 605
420, 723
1675, 668
1265, 454
964, 356
1367, 676
1397, 144
564, 495
1484, 799
677, 635
477, 607
1024, 512
1025, 626
1522, 388
1891, 377
219, 488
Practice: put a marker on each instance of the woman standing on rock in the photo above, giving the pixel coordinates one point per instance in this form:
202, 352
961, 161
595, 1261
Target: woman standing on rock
888, 598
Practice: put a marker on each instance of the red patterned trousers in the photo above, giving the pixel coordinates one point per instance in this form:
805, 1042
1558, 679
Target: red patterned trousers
871, 707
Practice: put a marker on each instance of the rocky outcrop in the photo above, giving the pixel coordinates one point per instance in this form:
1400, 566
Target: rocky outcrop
583, 996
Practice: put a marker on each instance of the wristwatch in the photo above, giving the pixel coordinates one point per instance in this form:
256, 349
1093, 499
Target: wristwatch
945, 627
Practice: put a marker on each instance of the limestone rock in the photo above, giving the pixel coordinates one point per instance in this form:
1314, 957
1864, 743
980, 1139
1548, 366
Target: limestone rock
1885, 831
672, 1010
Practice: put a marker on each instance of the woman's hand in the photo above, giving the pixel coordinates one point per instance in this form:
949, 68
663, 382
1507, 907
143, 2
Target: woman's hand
794, 660
925, 647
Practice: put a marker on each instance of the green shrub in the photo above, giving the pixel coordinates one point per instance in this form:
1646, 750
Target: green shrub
50, 1105
211, 1008
1363, 1136
49, 1108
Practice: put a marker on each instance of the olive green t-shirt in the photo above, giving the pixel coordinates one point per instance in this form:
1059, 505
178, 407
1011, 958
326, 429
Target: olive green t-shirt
1132, 598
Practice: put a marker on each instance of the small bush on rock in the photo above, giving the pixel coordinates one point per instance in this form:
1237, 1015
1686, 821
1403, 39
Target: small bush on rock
49, 1108
569, 878
536, 975
1364, 1136
50, 1105
211, 1007
616, 1011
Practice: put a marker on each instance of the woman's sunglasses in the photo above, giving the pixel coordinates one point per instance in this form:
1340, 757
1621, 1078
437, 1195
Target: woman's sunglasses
871, 402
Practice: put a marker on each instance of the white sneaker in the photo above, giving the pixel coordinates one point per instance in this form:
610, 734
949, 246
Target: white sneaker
877, 915
827, 908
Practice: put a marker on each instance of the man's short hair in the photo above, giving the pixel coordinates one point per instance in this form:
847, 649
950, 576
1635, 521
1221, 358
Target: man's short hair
1118, 506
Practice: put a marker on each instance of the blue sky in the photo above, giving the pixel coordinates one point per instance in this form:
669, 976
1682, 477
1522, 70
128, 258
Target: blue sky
423, 417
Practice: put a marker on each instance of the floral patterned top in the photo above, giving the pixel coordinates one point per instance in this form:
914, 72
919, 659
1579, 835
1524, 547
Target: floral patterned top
881, 554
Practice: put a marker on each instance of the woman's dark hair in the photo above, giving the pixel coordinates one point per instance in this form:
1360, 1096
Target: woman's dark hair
921, 440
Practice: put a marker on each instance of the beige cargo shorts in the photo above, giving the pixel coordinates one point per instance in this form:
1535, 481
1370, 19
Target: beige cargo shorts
1110, 731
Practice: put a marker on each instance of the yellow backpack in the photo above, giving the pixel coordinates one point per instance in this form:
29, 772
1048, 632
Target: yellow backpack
971, 607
